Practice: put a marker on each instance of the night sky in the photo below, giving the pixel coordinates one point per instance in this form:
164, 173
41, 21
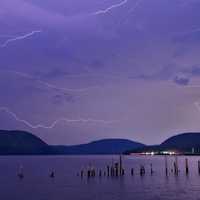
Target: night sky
73, 71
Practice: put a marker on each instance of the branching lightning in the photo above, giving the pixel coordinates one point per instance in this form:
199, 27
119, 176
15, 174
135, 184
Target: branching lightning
20, 38
193, 31
99, 12
135, 6
49, 85
7, 36
192, 86
197, 104
132, 10
51, 126
185, 33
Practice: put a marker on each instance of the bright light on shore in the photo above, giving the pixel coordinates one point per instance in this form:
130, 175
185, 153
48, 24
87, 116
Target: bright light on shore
168, 152
152, 153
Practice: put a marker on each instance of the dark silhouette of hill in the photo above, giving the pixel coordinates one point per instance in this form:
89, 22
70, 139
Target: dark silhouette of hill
21, 142
185, 140
106, 146
24, 143
184, 143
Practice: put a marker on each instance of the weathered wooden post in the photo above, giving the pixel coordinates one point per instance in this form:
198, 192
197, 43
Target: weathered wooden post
132, 171
120, 165
52, 174
186, 166
123, 171
176, 170
82, 173
93, 172
116, 169
100, 173
88, 173
174, 167
142, 170
112, 171
108, 170
20, 173
199, 166
89, 170
166, 166
151, 168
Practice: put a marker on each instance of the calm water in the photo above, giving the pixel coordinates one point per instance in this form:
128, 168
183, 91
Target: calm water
67, 186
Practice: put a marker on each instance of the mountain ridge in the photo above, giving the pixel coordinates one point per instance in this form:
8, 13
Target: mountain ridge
184, 143
17, 142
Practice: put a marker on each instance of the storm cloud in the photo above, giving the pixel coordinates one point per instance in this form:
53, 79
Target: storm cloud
135, 64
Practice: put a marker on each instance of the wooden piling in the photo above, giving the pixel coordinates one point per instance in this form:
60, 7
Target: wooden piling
93, 172
116, 169
176, 160
20, 173
108, 170
100, 173
52, 174
88, 173
82, 173
186, 166
176, 170
199, 166
112, 171
151, 168
166, 166
132, 171
142, 170
174, 163
120, 165
123, 172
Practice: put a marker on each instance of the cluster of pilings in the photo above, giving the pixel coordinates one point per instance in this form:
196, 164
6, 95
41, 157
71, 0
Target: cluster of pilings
114, 170
143, 170
176, 169
21, 174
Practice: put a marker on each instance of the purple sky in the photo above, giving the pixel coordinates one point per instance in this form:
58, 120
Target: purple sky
80, 70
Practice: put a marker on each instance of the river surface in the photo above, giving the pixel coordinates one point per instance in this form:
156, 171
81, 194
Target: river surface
37, 185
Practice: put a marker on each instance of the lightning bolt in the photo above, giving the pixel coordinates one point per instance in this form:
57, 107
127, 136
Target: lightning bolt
20, 38
197, 104
193, 31
132, 10
51, 126
7, 36
99, 12
49, 85
135, 6
192, 86
185, 33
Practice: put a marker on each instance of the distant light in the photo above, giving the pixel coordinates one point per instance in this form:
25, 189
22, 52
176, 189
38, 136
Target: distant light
168, 152
152, 153
149, 153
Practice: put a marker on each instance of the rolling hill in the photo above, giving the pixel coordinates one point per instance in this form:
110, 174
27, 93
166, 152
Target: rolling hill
24, 143
21, 142
186, 143
106, 146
